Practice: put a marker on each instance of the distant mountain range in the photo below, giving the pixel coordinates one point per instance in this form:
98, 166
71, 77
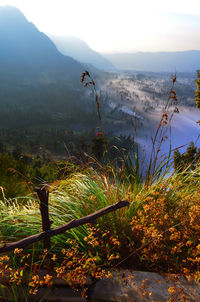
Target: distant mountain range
80, 51
23, 48
180, 61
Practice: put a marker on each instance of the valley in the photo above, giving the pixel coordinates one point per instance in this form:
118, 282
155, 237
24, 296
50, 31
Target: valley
99, 153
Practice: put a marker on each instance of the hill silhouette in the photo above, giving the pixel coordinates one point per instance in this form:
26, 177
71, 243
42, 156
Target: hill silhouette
79, 50
25, 49
39, 86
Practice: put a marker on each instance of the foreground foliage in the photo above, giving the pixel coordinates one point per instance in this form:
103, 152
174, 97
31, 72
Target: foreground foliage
159, 231
23, 275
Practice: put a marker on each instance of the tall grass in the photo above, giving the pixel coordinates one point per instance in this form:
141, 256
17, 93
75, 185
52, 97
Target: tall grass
75, 197
167, 208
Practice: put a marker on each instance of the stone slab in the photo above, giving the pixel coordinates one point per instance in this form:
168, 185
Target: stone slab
136, 286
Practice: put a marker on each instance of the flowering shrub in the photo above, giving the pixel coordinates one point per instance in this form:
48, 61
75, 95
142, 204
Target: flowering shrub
72, 265
166, 228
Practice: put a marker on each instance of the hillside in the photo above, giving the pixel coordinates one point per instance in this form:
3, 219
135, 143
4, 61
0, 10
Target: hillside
25, 49
44, 106
40, 89
80, 51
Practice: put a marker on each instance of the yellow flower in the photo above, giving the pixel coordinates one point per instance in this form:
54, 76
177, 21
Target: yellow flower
48, 279
17, 251
171, 290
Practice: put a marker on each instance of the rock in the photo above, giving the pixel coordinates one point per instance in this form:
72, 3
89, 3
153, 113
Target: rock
136, 286
59, 294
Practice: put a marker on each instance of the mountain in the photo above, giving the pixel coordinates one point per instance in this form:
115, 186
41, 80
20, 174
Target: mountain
180, 61
24, 48
80, 51
39, 86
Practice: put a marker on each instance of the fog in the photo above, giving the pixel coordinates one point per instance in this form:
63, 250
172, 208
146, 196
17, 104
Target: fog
142, 98
183, 130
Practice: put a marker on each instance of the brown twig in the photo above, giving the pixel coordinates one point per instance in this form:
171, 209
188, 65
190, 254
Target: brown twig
91, 83
159, 136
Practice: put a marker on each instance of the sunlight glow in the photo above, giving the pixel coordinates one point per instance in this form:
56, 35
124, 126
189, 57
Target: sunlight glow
127, 25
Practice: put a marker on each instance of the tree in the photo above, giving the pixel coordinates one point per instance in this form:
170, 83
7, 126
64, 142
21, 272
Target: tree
197, 91
188, 160
97, 145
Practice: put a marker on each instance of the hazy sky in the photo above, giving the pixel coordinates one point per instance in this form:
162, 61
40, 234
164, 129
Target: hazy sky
119, 25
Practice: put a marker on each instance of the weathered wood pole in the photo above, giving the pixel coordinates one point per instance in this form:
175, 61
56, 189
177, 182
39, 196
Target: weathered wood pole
43, 195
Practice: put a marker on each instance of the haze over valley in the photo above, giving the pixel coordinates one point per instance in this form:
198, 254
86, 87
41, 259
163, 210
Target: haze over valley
99, 150
45, 108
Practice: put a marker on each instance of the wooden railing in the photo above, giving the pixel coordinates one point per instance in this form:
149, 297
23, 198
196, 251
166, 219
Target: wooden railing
47, 233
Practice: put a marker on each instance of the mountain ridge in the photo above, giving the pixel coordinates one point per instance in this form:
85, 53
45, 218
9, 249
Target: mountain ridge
80, 51
24, 46
180, 61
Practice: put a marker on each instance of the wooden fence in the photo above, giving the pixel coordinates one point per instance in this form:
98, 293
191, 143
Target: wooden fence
47, 233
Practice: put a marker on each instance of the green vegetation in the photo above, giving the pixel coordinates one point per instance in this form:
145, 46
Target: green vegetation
20, 172
159, 231
197, 91
189, 160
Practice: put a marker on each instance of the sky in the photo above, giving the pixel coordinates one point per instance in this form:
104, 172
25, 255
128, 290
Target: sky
119, 25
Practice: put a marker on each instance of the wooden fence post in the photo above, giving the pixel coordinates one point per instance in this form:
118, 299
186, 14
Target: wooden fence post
43, 195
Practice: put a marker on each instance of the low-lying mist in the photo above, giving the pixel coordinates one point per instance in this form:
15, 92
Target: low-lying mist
142, 99
182, 130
